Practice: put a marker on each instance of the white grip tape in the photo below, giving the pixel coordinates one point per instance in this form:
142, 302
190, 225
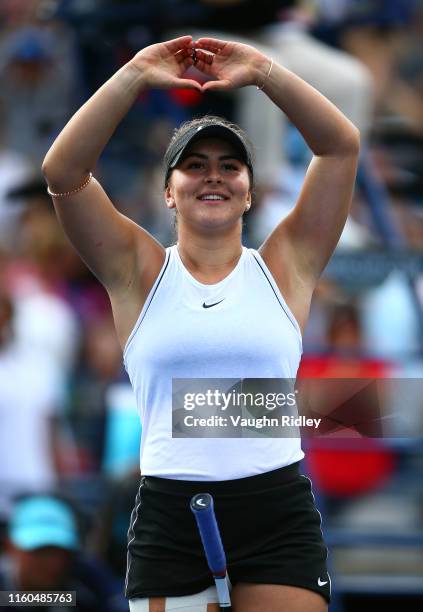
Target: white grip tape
222, 586
198, 602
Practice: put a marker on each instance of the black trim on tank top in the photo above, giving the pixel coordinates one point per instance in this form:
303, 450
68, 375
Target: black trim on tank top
155, 289
147, 305
273, 289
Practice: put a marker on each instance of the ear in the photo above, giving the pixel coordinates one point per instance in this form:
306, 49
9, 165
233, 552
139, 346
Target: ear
248, 202
170, 202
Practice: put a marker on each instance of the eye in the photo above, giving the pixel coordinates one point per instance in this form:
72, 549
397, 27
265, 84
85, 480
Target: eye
194, 165
230, 166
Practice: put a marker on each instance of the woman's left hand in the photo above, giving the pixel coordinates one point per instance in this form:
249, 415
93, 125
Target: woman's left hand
232, 64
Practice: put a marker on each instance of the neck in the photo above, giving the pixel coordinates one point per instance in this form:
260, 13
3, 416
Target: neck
209, 256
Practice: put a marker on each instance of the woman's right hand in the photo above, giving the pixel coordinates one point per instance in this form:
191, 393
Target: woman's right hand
162, 65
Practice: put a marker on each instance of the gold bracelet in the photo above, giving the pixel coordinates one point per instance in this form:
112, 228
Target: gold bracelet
267, 75
65, 194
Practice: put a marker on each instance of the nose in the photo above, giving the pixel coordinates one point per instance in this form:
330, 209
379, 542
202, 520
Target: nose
213, 177
214, 174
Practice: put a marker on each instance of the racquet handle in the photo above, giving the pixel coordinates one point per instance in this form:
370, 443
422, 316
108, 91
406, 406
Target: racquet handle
203, 509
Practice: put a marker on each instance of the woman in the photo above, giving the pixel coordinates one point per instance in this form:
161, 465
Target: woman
209, 308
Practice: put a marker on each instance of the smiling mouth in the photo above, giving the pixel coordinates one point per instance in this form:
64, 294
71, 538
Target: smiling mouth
212, 198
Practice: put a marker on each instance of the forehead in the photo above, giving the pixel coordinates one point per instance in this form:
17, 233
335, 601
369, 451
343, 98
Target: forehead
212, 147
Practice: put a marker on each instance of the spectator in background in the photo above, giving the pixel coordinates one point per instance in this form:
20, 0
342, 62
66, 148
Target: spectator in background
43, 554
32, 445
15, 13
403, 339
103, 404
14, 169
37, 86
385, 35
37, 274
343, 353
108, 430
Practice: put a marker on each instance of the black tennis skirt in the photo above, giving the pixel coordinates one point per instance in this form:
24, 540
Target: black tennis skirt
270, 528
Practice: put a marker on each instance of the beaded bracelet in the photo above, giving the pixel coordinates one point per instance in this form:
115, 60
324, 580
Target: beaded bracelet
267, 75
65, 194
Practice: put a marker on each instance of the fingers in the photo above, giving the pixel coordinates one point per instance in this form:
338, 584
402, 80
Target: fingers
203, 61
211, 44
175, 45
204, 57
186, 84
183, 54
217, 85
186, 63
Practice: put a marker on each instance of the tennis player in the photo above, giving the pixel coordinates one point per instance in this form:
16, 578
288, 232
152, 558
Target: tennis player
208, 307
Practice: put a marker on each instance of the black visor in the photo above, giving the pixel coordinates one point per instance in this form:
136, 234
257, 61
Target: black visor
177, 149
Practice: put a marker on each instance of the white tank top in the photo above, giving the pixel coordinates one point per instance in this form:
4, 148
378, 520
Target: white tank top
248, 333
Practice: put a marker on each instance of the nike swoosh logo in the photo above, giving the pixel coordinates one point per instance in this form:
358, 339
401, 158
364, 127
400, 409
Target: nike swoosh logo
322, 582
210, 305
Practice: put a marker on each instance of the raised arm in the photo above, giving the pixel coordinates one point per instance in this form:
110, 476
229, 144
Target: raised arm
116, 249
299, 248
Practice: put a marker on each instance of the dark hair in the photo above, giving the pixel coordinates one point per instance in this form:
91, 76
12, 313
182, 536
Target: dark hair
182, 135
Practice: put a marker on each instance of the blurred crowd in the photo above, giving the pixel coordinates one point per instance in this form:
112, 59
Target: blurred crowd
67, 416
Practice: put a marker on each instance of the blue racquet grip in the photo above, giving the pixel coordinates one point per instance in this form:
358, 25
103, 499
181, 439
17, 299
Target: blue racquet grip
203, 510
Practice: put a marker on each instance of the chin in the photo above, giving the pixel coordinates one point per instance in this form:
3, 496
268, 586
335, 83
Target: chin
218, 223
221, 216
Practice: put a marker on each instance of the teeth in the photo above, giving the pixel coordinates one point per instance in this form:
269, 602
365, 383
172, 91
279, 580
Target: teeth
212, 197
